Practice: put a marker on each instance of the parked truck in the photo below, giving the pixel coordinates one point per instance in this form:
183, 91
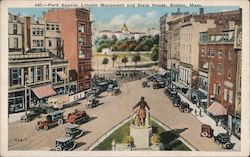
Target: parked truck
78, 117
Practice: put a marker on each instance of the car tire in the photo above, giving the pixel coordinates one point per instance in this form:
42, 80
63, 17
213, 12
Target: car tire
186, 110
204, 134
60, 121
58, 148
228, 145
46, 127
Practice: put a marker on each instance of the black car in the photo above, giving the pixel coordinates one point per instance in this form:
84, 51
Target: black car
158, 85
31, 115
176, 100
224, 140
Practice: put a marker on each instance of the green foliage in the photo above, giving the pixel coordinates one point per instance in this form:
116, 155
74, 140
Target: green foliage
136, 58
155, 53
155, 139
124, 60
114, 57
127, 139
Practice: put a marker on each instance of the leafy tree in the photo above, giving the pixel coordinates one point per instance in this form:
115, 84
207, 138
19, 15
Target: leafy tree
124, 60
136, 58
155, 53
105, 62
156, 39
114, 57
138, 47
132, 47
147, 44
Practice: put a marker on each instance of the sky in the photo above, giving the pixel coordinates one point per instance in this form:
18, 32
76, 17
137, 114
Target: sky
137, 19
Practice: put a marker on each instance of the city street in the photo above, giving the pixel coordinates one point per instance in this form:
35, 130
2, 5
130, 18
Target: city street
111, 112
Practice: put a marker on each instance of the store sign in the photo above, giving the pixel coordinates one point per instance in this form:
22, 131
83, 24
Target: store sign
238, 38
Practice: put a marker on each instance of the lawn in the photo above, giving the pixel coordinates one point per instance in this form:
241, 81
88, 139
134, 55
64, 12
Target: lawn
168, 138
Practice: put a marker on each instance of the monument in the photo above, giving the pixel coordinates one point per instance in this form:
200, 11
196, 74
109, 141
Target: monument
140, 128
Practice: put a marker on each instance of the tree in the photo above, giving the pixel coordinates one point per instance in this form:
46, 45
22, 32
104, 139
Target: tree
114, 57
136, 58
124, 60
105, 62
155, 53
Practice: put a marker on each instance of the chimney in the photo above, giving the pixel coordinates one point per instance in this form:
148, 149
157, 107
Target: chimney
26, 34
201, 11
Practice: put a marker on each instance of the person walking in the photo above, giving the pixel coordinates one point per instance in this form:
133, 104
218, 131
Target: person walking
200, 112
195, 112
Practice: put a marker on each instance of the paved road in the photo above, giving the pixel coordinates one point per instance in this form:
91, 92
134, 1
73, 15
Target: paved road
113, 110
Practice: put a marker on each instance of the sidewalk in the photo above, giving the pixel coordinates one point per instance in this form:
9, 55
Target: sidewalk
205, 119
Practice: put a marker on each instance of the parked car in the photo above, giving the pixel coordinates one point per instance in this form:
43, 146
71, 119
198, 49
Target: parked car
65, 144
52, 119
116, 91
158, 85
184, 107
73, 131
176, 100
31, 115
92, 102
206, 131
145, 84
224, 140
170, 92
78, 117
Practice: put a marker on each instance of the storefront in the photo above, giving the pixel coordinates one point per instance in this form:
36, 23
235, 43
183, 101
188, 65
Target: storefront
39, 95
16, 101
218, 112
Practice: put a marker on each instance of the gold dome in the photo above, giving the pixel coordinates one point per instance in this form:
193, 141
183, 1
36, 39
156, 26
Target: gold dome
125, 28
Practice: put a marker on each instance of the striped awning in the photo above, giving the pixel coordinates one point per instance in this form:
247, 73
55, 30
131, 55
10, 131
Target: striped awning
216, 109
43, 91
62, 75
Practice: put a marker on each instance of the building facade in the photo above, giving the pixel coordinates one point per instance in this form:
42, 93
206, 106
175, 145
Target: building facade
76, 33
31, 66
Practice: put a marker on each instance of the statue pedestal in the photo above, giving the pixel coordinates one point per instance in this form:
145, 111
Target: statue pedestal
141, 135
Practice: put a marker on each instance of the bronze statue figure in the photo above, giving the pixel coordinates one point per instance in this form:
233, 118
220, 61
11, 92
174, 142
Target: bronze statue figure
142, 112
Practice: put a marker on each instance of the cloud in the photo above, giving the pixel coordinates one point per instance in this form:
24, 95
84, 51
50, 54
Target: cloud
134, 22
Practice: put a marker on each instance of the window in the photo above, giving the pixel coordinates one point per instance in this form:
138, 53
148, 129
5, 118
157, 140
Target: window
212, 52
211, 66
37, 31
15, 76
219, 68
52, 27
230, 99
229, 73
58, 77
203, 37
203, 52
15, 43
81, 28
230, 54
39, 73
220, 53
47, 72
57, 27
81, 40
14, 28
58, 42
32, 75
41, 31
226, 36
53, 75
208, 53
48, 27
50, 43
225, 94
81, 53
34, 31
218, 89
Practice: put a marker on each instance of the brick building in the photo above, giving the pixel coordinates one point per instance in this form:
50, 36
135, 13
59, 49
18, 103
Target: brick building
76, 32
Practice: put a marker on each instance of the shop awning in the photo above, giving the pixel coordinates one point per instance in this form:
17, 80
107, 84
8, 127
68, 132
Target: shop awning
180, 85
43, 91
62, 75
216, 109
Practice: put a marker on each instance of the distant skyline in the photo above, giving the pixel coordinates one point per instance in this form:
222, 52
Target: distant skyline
136, 18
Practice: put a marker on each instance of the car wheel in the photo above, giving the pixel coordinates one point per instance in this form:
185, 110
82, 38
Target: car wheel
58, 148
60, 122
228, 145
46, 127
204, 134
186, 110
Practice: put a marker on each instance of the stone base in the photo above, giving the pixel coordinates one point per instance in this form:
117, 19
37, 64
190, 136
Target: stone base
141, 135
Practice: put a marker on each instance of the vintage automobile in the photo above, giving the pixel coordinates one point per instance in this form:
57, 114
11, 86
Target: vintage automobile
184, 107
65, 144
31, 115
92, 102
78, 117
145, 84
224, 140
170, 91
176, 100
73, 131
116, 91
52, 119
158, 85
206, 131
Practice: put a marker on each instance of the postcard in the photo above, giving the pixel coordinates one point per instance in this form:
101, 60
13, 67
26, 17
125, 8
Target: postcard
124, 78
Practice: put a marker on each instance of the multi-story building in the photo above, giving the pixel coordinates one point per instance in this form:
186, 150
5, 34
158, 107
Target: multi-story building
162, 43
217, 61
31, 68
76, 32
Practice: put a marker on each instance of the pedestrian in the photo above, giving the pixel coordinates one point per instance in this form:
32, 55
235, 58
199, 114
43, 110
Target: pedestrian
200, 112
216, 121
195, 112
